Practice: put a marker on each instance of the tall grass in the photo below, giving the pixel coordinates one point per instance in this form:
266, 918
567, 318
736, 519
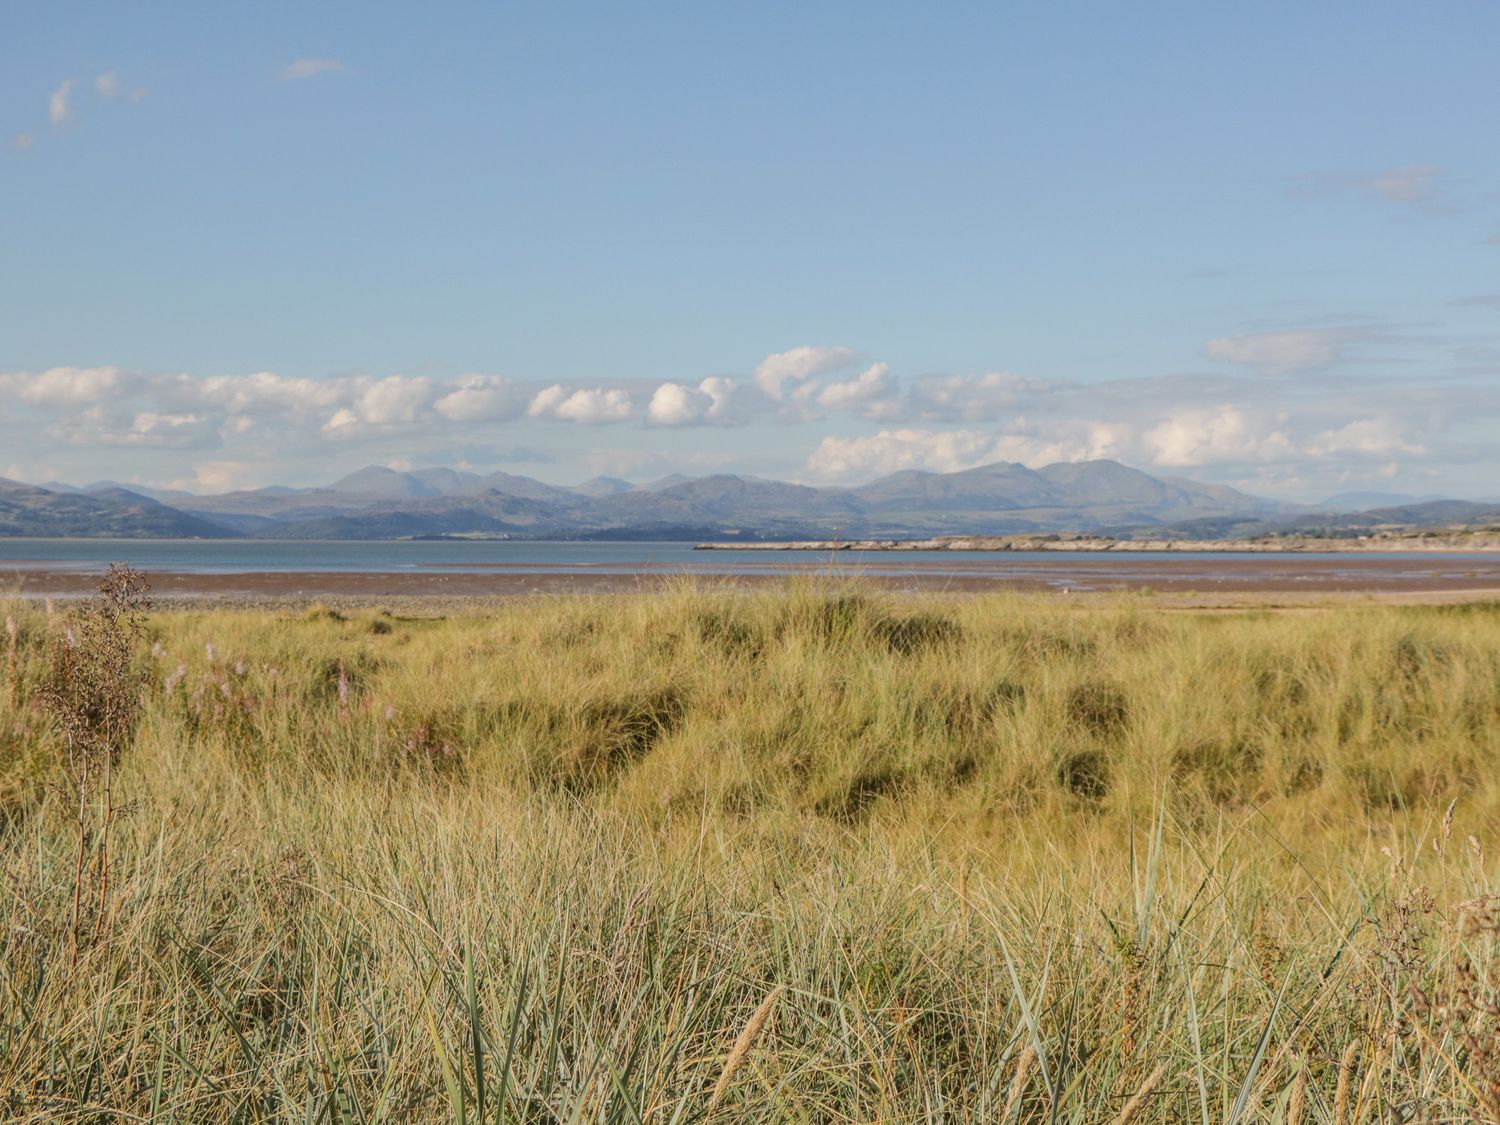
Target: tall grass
800, 855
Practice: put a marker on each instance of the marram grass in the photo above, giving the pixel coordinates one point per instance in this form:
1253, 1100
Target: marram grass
808, 855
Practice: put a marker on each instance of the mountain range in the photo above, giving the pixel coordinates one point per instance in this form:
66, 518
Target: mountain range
1002, 498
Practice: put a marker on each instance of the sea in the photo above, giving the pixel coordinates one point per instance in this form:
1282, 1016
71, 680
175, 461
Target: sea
243, 556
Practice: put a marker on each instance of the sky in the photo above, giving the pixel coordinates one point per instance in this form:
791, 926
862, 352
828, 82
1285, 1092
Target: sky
246, 244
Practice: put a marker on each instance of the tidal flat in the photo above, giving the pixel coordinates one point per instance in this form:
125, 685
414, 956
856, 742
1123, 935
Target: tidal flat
806, 851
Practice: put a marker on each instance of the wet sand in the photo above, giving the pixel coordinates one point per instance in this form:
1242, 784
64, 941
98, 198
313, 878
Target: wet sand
1267, 578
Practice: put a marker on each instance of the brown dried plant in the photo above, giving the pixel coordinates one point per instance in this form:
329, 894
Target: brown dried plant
93, 693
1465, 1007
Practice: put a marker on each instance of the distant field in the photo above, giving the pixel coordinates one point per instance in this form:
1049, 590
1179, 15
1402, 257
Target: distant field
808, 852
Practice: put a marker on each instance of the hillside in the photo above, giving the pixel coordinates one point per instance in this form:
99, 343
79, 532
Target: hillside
26, 510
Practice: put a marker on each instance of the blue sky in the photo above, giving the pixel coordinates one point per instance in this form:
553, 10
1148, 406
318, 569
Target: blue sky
270, 243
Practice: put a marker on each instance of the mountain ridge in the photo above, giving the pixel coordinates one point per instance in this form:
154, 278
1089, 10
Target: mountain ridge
379, 502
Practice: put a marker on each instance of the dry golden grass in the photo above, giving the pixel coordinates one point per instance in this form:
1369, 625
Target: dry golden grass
808, 854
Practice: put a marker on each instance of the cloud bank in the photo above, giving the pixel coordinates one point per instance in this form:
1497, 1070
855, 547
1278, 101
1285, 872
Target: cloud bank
851, 418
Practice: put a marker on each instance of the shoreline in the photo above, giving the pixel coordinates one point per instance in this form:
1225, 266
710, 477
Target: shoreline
1270, 578
1477, 543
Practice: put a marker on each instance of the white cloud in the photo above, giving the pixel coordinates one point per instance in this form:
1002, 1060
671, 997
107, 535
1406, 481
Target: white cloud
799, 364
676, 404
342, 422
59, 109
103, 427
889, 451
590, 407
264, 394
108, 84
1225, 434
309, 68
1234, 427
1049, 442
168, 431
23, 142
871, 385
373, 405
972, 398
481, 398
724, 393
1279, 353
1371, 437
393, 401
68, 386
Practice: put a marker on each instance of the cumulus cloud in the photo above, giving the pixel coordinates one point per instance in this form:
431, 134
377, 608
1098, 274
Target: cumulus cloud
797, 365
108, 84
873, 384
377, 404
263, 394
59, 107
1374, 437
393, 400
309, 68
588, 406
677, 404
1227, 433
1049, 442
1229, 426
67, 386
482, 398
711, 402
1280, 353
973, 398
23, 142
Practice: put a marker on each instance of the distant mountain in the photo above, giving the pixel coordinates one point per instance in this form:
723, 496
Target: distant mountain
387, 484
603, 486
26, 510
391, 484
1365, 501
1433, 513
665, 482
490, 512
727, 502
997, 487
165, 495
1002, 498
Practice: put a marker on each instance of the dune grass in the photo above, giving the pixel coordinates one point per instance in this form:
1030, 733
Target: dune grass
809, 854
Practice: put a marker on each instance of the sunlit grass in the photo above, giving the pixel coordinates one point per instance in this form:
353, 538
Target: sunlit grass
809, 854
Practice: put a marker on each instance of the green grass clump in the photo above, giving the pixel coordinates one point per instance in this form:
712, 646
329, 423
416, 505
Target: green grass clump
806, 854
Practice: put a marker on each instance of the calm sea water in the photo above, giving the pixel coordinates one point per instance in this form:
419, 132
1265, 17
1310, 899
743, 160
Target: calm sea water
237, 556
